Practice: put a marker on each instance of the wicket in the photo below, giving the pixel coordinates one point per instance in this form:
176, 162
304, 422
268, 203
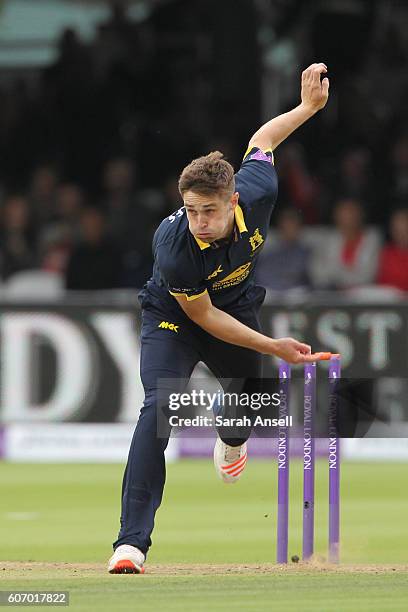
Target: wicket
309, 410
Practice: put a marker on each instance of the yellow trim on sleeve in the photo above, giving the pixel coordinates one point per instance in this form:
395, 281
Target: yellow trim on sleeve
269, 150
247, 151
189, 297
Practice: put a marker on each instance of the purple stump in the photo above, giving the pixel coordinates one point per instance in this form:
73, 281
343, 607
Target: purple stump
309, 409
334, 463
283, 466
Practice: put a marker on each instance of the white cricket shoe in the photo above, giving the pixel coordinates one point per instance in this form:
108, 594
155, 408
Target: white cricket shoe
229, 461
126, 559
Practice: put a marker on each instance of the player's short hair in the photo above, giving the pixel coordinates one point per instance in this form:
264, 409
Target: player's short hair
208, 175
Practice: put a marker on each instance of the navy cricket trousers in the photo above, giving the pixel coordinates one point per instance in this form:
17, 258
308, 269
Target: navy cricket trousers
170, 355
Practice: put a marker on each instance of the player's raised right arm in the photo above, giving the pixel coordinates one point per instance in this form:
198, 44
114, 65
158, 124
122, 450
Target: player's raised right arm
223, 326
314, 95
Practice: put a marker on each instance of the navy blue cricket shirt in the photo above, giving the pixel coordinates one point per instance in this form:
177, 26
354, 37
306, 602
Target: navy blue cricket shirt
185, 265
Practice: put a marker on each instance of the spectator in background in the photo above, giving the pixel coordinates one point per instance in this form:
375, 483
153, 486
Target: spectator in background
69, 200
286, 265
352, 177
173, 199
393, 266
59, 237
55, 250
399, 160
350, 256
296, 185
355, 178
95, 263
118, 181
142, 221
133, 216
42, 193
17, 238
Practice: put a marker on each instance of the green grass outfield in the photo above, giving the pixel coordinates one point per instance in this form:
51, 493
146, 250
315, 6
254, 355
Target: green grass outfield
214, 545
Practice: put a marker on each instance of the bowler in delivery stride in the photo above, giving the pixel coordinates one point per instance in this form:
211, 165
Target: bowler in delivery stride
202, 304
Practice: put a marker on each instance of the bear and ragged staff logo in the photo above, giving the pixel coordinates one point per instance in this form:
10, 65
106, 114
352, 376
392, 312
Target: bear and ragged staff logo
256, 240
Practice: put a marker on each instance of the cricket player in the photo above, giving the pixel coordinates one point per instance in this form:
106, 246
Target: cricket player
201, 304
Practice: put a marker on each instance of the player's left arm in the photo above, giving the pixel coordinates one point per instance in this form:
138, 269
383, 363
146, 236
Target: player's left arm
314, 95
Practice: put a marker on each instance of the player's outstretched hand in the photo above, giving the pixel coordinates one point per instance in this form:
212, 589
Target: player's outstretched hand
315, 92
292, 351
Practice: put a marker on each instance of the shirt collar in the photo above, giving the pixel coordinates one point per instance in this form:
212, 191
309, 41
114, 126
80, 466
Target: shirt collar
240, 223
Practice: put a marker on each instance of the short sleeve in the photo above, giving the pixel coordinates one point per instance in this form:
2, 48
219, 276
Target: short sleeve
256, 180
181, 279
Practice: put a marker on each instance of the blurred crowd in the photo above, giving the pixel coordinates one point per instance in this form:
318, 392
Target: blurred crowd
92, 146
348, 256
101, 243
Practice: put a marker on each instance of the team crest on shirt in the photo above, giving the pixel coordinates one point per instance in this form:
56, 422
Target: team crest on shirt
256, 240
236, 277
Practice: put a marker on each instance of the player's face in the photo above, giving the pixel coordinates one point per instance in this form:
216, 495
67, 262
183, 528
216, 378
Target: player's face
210, 217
